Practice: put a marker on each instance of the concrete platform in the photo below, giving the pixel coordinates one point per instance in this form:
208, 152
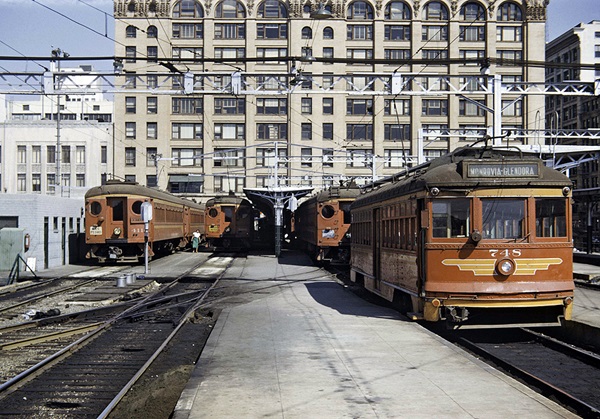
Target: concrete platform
294, 343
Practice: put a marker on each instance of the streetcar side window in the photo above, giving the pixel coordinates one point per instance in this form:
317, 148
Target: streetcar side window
550, 217
451, 218
228, 211
503, 218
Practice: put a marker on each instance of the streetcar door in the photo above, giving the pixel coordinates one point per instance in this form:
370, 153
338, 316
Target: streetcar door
116, 215
377, 246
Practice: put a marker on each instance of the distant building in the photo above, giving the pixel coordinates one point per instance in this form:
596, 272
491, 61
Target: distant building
205, 144
56, 145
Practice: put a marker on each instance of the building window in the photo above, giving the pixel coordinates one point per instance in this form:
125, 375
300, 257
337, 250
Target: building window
359, 132
328, 131
306, 33
509, 34
232, 106
50, 183
230, 53
130, 54
471, 56
306, 157
359, 32
36, 182
152, 105
228, 158
152, 32
80, 180
50, 154
328, 157
306, 105
434, 33
271, 31
512, 108
359, 54
328, 106
472, 12
130, 178
152, 53
130, 31
187, 53
394, 158
472, 33
396, 33
186, 131
152, 130
328, 33
230, 9
187, 30
271, 53
434, 54
186, 106
396, 107
130, 104
230, 131
36, 154
151, 181
130, 156
271, 106
359, 106
435, 107
151, 156
468, 108
187, 9
272, 9
397, 10
396, 132
435, 11
152, 81
130, 81
21, 154
509, 57
306, 129
186, 157
396, 54
359, 10
271, 131
65, 154
103, 154
129, 130
21, 182
328, 52
230, 31
358, 158
229, 183
80, 154
509, 12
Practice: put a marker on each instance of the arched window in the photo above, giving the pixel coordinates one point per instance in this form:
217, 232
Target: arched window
509, 12
152, 32
328, 33
360, 10
152, 7
435, 11
306, 33
472, 12
272, 9
397, 10
230, 9
188, 9
130, 31
131, 6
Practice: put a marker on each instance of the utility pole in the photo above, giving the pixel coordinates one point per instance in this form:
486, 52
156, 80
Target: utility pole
56, 54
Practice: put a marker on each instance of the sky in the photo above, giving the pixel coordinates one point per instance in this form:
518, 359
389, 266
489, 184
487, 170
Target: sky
33, 28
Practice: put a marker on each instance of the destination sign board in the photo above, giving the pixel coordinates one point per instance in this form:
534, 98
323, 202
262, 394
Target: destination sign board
502, 170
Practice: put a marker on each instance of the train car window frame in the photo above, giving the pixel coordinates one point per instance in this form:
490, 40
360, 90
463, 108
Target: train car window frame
95, 208
501, 224
451, 218
551, 218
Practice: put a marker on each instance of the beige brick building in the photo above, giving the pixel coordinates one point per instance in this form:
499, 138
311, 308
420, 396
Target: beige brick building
211, 140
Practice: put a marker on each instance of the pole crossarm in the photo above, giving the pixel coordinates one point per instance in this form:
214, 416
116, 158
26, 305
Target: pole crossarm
273, 83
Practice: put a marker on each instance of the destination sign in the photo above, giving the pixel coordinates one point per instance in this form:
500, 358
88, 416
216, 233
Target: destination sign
502, 170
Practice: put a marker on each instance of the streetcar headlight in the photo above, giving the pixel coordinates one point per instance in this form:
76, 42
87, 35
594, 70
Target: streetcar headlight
117, 231
348, 235
566, 191
505, 267
435, 191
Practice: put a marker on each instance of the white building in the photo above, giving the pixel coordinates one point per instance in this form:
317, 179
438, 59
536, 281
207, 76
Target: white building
56, 145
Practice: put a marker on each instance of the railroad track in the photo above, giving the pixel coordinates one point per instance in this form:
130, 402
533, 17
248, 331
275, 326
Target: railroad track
89, 376
563, 372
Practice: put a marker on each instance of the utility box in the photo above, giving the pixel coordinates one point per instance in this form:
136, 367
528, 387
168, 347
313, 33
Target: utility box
12, 243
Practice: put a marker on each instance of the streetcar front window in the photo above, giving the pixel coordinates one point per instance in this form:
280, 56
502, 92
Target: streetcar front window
503, 218
451, 217
550, 217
